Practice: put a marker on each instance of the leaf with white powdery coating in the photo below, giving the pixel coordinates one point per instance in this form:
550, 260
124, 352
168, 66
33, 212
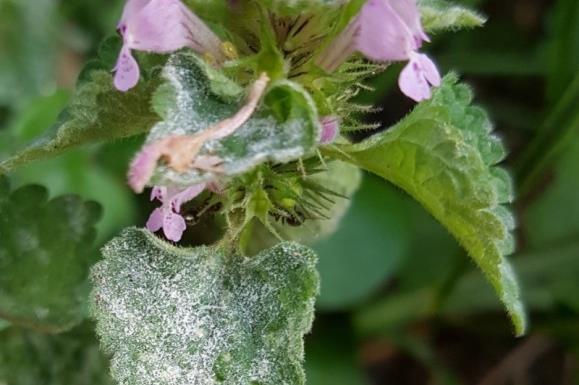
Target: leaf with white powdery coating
441, 15
285, 126
44, 257
173, 316
444, 155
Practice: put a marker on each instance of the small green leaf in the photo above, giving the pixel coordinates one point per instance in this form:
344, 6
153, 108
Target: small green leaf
96, 113
28, 358
285, 128
441, 15
443, 154
44, 257
181, 316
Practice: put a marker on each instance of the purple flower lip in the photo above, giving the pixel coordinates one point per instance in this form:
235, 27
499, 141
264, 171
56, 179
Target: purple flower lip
387, 31
160, 26
168, 217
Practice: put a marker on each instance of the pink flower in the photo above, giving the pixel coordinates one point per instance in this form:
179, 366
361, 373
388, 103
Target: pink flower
385, 31
167, 216
160, 26
330, 129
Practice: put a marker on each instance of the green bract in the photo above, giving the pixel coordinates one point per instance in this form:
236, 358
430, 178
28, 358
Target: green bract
174, 316
439, 15
296, 7
443, 155
45, 255
285, 128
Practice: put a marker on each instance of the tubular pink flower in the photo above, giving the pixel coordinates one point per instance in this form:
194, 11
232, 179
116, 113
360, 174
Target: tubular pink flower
385, 31
330, 129
168, 217
160, 26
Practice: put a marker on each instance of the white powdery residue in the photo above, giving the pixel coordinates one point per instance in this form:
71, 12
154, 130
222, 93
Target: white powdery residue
198, 317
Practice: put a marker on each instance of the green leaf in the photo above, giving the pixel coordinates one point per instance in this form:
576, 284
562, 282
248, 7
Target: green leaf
377, 222
548, 277
44, 257
28, 358
174, 316
444, 155
441, 15
97, 113
285, 128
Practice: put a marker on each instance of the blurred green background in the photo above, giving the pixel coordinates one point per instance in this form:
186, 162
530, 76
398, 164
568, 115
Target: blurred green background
400, 303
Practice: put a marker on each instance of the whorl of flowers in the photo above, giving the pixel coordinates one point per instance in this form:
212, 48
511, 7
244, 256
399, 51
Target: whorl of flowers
383, 31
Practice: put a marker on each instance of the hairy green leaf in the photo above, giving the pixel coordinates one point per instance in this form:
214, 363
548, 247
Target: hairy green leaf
44, 257
441, 15
444, 155
285, 128
28, 358
97, 112
172, 316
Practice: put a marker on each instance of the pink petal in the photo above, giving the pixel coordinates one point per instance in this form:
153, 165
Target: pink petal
408, 11
330, 129
160, 27
155, 221
174, 226
413, 83
186, 195
383, 35
132, 7
143, 167
127, 71
429, 68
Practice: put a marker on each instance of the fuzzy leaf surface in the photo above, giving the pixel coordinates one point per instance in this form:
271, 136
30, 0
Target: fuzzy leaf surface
442, 15
284, 128
444, 155
97, 113
172, 316
44, 257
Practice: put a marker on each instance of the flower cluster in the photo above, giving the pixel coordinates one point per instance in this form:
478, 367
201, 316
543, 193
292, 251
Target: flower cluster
383, 31
388, 31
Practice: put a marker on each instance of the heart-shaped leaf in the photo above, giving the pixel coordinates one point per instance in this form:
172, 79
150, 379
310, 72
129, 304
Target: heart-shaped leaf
172, 316
45, 255
444, 155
